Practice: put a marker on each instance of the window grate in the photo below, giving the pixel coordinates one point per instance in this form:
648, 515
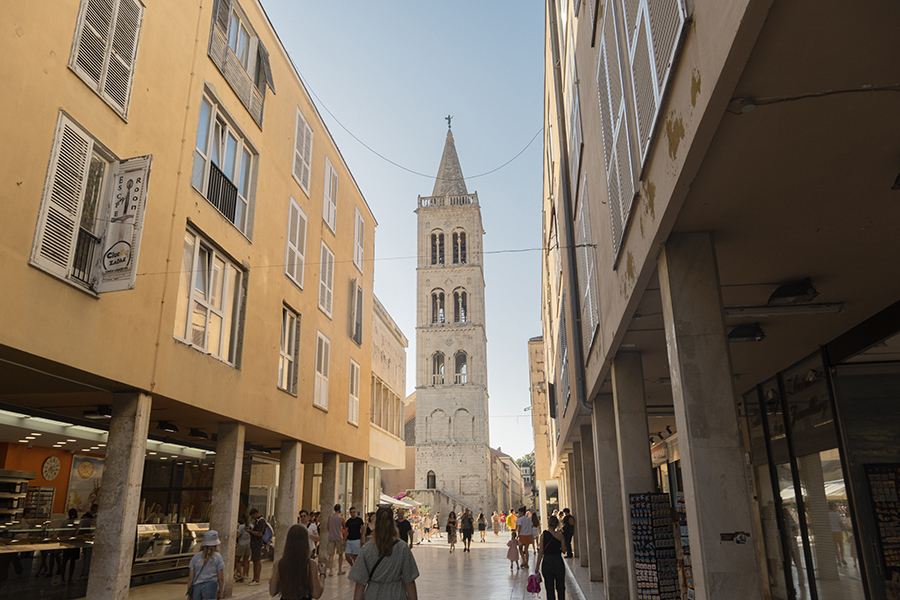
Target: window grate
84, 255
221, 192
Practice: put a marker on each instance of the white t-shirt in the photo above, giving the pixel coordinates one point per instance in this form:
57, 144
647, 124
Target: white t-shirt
313, 530
523, 524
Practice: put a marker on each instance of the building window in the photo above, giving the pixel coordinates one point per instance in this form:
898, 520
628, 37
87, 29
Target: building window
224, 163
329, 199
353, 404
105, 48
323, 354
326, 279
437, 248
356, 315
460, 306
437, 368
437, 306
431, 482
209, 299
239, 40
303, 140
287, 362
295, 251
461, 374
359, 238
459, 247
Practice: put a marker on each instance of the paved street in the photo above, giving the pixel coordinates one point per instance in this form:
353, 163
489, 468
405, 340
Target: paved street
482, 574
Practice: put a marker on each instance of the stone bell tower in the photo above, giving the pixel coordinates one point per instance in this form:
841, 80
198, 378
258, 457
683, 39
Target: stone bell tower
452, 435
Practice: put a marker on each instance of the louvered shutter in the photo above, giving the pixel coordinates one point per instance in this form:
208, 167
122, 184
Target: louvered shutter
93, 39
329, 208
116, 265
123, 52
302, 152
590, 310
292, 258
326, 279
266, 66
359, 234
63, 196
353, 308
223, 16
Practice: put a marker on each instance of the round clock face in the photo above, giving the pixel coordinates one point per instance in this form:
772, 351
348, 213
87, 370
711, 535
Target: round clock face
51, 468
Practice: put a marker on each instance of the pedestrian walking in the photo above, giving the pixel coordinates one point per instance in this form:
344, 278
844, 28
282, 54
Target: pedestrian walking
451, 530
404, 529
370, 528
550, 563
256, 544
296, 576
513, 552
426, 526
335, 541
385, 569
568, 530
436, 524
482, 525
535, 527
467, 523
495, 524
206, 576
525, 531
353, 536
511, 521
312, 531
242, 550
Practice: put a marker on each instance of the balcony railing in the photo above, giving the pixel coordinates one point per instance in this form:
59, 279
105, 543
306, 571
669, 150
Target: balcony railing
83, 262
437, 380
461, 200
221, 192
460, 378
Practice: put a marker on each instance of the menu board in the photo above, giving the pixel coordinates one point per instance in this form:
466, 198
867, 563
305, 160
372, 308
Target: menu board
884, 481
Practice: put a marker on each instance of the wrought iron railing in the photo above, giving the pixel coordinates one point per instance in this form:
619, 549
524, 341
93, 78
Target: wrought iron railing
85, 246
221, 192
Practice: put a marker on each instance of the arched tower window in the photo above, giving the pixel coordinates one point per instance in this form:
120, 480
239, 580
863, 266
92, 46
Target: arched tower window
459, 247
437, 307
431, 482
437, 368
461, 374
437, 248
460, 306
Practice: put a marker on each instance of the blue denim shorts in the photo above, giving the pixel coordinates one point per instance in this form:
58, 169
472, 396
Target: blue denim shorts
206, 590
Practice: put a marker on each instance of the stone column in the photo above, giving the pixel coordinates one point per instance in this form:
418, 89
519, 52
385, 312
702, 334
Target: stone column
580, 513
709, 439
113, 548
309, 470
226, 493
544, 500
633, 437
609, 496
360, 479
287, 505
330, 480
591, 507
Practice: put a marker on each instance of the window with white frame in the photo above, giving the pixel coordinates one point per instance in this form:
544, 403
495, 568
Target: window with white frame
287, 361
303, 139
104, 51
356, 314
224, 162
359, 238
323, 355
91, 215
295, 248
329, 197
326, 279
353, 402
207, 312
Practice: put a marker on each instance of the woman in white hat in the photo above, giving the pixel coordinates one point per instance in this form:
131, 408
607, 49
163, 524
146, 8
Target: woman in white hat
207, 576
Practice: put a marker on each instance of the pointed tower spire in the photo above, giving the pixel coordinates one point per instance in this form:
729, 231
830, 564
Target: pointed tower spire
450, 180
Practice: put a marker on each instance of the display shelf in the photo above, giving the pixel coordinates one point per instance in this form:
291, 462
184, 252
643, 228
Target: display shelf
39, 502
653, 538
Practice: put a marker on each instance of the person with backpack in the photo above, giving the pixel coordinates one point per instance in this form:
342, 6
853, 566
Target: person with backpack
385, 568
206, 574
260, 535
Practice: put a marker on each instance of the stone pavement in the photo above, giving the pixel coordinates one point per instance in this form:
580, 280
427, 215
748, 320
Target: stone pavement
482, 574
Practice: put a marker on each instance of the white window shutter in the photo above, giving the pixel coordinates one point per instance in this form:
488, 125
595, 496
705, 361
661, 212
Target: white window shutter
63, 196
302, 152
93, 39
223, 16
359, 234
330, 195
116, 265
326, 279
295, 260
123, 52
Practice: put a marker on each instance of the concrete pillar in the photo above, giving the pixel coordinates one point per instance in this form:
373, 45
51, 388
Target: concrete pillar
543, 509
113, 548
819, 519
226, 493
709, 439
580, 540
309, 470
633, 437
591, 506
287, 505
330, 481
609, 496
360, 479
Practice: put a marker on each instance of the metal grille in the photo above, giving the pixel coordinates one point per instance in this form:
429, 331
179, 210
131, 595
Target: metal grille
221, 192
84, 255
644, 86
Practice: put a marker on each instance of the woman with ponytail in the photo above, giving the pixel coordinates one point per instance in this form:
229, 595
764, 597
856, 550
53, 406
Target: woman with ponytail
295, 575
385, 569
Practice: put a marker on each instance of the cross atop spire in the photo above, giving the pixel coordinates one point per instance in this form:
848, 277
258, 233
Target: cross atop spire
449, 180
448, 118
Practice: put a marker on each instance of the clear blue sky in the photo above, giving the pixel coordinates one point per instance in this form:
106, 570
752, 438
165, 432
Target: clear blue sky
390, 72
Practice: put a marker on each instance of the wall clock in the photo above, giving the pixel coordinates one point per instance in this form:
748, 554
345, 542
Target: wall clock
51, 468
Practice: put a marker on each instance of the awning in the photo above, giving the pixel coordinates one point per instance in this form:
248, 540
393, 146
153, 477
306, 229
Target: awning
385, 499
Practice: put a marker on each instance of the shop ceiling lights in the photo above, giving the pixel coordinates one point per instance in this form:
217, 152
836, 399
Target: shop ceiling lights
197, 434
764, 311
166, 426
102, 412
751, 332
795, 292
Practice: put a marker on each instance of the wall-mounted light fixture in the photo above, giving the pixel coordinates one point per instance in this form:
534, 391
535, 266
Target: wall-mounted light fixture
794, 292
750, 332
101, 412
197, 434
166, 426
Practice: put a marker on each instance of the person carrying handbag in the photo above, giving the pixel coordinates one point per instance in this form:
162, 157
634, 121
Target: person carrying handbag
553, 545
206, 570
385, 569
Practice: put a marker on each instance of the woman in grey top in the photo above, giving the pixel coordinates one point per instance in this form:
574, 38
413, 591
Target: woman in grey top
385, 569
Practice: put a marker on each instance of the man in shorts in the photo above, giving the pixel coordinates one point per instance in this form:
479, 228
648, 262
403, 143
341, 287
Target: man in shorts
525, 531
336, 541
353, 536
426, 527
256, 544
467, 524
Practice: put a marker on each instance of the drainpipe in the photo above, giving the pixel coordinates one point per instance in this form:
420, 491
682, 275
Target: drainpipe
574, 299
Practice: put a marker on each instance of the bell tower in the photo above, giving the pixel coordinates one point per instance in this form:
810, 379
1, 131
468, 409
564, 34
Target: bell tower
452, 435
